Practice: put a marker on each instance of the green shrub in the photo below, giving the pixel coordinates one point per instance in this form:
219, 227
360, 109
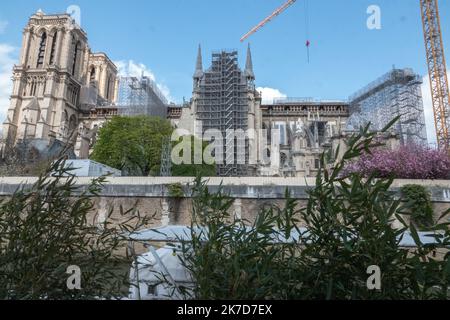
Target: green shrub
175, 190
348, 220
45, 229
236, 262
420, 206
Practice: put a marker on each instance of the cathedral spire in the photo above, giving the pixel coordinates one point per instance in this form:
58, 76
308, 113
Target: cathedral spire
249, 64
199, 66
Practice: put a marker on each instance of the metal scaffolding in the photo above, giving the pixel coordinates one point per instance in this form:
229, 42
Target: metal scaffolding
396, 93
166, 162
222, 104
140, 96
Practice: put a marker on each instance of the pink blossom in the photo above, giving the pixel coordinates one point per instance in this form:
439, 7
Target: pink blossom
407, 162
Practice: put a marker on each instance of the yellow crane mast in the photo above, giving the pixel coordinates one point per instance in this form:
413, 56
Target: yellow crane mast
437, 70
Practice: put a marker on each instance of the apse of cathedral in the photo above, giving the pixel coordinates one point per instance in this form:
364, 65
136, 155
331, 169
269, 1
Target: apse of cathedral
294, 131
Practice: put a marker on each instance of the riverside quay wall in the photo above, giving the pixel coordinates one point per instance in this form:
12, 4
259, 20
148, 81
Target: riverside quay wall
152, 195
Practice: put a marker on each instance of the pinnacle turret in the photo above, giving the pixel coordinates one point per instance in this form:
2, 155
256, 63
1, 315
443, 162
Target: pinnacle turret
249, 65
199, 65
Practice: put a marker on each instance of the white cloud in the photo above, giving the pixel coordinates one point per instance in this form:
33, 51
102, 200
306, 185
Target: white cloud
165, 91
3, 25
132, 69
7, 60
428, 108
268, 94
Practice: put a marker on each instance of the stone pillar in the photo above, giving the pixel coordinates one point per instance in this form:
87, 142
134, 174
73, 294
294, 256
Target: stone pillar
102, 212
237, 204
82, 142
165, 213
116, 90
58, 51
25, 47
102, 81
9, 131
252, 134
275, 152
48, 49
43, 128
85, 66
79, 62
66, 50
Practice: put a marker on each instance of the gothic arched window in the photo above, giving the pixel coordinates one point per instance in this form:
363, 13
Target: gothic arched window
92, 75
41, 53
72, 132
53, 49
283, 159
108, 88
75, 57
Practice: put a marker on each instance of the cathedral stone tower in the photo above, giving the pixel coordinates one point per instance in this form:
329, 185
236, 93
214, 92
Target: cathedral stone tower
57, 80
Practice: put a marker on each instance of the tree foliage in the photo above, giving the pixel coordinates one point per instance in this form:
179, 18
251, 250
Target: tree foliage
421, 208
407, 162
132, 144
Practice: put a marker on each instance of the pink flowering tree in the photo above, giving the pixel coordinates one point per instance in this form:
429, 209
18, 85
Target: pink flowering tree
407, 162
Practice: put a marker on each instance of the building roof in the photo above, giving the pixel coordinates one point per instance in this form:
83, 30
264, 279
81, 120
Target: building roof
177, 233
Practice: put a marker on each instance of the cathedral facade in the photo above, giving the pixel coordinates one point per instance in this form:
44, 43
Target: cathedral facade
56, 84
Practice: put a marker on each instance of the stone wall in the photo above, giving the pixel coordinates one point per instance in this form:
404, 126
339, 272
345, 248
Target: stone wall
150, 195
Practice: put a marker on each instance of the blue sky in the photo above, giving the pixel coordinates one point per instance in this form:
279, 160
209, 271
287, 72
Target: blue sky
161, 36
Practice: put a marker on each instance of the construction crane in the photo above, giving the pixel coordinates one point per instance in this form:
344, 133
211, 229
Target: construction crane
437, 70
435, 60
266, 20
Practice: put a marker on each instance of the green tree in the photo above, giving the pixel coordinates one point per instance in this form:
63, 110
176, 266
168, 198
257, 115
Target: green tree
132, 144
